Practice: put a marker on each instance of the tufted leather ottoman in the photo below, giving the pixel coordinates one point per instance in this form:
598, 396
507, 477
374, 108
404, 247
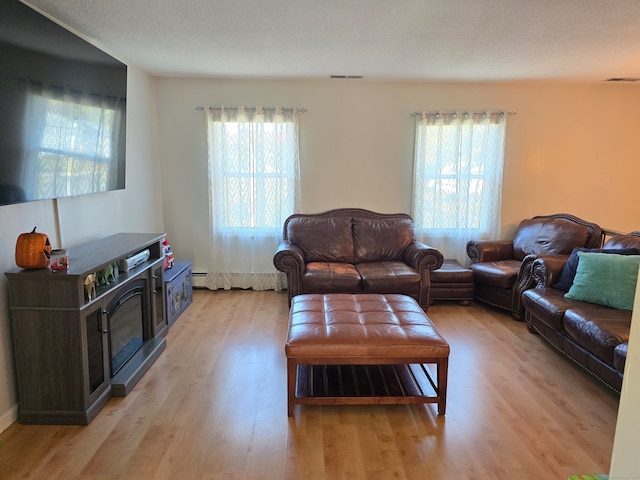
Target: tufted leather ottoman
363, 349
452, 282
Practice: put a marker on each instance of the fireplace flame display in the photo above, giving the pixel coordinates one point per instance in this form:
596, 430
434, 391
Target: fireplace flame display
126, 315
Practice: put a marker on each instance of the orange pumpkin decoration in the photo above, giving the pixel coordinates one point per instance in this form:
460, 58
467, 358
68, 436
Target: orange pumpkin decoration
33, 250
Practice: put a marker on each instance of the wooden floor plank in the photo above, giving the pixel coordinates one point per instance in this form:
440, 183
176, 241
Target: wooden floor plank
213, 406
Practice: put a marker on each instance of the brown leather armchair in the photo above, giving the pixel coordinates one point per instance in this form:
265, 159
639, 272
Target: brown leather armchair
502, 268
352, 250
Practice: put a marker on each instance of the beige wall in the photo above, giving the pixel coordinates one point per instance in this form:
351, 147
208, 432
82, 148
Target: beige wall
571, 147
137, 208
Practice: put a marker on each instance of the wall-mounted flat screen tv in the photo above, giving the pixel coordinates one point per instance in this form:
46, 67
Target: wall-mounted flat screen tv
62, 111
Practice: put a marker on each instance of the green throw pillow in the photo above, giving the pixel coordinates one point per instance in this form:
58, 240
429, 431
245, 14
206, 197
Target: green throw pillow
606, 279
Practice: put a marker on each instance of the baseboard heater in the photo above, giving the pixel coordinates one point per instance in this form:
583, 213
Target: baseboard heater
198, 279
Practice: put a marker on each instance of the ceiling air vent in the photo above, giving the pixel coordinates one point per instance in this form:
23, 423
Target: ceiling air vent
348, 77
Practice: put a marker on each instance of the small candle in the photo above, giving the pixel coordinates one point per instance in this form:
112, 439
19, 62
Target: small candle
59, 260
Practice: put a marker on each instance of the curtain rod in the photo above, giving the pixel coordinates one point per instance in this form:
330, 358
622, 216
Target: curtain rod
511, 114
299, 110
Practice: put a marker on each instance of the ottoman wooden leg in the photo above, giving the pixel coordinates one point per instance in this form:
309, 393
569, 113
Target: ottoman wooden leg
443, 368
292, 370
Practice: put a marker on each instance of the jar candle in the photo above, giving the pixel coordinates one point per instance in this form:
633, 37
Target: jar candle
59, 260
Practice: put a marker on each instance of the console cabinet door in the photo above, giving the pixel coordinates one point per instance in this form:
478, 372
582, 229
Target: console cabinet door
97, 346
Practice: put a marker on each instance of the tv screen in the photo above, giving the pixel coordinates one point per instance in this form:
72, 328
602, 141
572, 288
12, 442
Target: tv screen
62, 111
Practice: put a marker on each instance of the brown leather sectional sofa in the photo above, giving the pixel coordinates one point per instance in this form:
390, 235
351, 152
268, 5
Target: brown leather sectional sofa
593, 335
352, 250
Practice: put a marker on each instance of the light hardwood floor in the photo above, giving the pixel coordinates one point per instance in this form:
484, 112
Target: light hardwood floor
214, 407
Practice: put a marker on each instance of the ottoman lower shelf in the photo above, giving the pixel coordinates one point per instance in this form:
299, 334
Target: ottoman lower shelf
364, 384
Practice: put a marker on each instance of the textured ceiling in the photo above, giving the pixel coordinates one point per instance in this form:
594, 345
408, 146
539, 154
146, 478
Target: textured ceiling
449, 40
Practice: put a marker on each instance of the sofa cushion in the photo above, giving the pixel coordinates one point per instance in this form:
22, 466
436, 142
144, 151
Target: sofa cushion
547, 305
321, 277
501, 273
383, 239
389, 277
323, 239
548, 236
598, 329
606, 279
569, 270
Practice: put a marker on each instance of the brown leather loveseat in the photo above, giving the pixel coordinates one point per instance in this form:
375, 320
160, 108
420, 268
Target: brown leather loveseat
352, 250
585, 327
502, 268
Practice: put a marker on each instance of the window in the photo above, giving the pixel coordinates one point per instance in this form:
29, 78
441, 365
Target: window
256, 175
254, 187
457, 178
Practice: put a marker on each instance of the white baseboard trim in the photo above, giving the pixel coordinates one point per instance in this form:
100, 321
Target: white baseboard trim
8, 418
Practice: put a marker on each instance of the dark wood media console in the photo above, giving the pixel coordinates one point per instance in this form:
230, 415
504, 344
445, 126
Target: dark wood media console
63, 340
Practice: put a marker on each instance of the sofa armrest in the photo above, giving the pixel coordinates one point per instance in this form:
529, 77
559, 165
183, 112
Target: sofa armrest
524, 281
422, 257
489, 250
546, 269
290, 260
536, 271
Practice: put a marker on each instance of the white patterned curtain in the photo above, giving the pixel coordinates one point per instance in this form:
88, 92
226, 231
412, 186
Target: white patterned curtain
254, 185
457, 179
